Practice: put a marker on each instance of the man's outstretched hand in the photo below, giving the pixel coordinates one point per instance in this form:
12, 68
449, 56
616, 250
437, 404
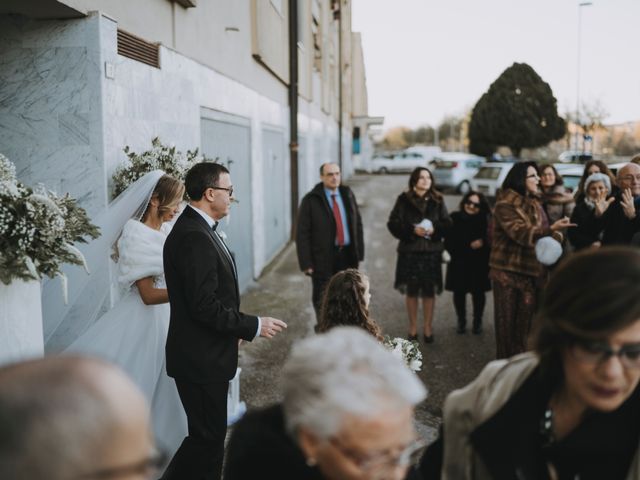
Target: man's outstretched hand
271, 326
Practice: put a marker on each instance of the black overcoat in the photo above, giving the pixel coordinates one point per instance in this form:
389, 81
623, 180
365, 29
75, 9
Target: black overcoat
316, 231
468, 270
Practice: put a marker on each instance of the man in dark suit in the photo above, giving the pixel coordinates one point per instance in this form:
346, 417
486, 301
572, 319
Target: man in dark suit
329, 235
206, 324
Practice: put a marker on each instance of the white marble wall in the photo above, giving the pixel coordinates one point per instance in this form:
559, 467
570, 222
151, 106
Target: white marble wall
50, 105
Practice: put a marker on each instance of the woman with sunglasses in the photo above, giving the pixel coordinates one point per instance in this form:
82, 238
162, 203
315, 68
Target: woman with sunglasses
569, 410
468, 271
519, 221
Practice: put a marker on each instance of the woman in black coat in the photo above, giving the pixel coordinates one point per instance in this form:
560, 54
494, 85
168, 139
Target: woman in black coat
419, 219
468, 271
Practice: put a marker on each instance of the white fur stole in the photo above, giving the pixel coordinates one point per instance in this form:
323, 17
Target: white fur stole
140, 250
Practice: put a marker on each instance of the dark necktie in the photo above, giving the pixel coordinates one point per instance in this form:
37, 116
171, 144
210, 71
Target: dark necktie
338, 218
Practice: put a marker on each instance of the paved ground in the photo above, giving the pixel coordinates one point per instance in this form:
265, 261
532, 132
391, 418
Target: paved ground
283, 292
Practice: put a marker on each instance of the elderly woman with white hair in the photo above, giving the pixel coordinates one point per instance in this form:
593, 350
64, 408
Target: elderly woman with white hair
587, 233
346, 414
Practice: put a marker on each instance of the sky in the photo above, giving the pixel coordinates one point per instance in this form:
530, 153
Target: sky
425, 59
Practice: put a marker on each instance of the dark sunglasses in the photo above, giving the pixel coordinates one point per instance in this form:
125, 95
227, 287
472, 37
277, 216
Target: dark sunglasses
472, 204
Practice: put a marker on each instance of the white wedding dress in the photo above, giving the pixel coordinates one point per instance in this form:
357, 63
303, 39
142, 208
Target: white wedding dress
133, 335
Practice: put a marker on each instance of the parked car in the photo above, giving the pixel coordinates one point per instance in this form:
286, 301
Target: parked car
569, 156
400, 162
489, 177
455, 170
571, 176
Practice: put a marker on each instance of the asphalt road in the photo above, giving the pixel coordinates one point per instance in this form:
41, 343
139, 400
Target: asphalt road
284, 292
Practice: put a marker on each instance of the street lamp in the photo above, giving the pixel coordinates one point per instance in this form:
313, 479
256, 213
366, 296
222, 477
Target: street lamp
577, 119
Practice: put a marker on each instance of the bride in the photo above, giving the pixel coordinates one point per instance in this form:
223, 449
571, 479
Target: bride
134, 332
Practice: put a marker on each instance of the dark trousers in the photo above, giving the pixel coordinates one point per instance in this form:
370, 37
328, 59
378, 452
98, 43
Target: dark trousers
201, 453
343, 258
459, 302
514, 305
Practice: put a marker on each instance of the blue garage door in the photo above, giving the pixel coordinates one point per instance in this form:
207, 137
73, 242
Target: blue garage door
230, 143
276, 189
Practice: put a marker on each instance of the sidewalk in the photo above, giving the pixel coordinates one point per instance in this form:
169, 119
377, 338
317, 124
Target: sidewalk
284, 292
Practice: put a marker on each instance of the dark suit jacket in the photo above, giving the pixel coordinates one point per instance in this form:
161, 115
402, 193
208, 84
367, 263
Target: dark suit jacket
205, 325
316, 231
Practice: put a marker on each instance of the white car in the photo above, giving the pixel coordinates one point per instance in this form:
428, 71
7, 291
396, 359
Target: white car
400, 162
455, 170
490, 177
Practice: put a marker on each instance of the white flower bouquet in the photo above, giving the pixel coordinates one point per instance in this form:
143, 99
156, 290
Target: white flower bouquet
406, 350
160, 157
38, 229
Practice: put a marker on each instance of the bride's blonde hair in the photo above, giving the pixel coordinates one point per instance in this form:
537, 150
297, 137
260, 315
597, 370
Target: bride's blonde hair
167, 191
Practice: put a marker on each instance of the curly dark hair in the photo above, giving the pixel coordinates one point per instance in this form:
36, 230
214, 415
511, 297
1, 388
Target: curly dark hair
344, 303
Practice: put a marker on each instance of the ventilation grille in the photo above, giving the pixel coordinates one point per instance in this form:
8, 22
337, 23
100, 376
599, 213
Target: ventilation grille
135, 48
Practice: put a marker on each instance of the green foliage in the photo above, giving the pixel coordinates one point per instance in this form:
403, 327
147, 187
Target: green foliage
37, 229
518, 111
160, 157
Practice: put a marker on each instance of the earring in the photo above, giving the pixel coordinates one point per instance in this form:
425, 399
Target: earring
311, 462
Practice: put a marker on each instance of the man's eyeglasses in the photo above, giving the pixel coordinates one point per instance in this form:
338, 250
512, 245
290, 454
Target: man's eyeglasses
630, 178
472, 204
379, 463
147, 468
599, 352
230, 189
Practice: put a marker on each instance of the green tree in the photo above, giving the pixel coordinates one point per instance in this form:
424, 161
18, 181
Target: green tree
518, 111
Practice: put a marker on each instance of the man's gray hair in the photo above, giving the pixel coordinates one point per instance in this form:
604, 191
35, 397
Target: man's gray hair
52, 418
344, 372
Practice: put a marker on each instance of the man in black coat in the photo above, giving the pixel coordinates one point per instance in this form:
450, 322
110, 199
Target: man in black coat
206, 324
329, 231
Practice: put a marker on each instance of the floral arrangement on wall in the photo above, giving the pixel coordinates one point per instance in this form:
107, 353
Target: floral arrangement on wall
160, 157
38, 229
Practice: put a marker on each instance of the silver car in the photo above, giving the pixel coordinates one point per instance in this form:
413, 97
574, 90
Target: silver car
490, 177
455, 170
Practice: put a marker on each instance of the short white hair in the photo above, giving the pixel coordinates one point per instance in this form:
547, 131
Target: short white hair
597, 177
344, 372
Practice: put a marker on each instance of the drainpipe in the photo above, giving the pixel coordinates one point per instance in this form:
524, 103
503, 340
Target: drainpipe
293, 111
338, 16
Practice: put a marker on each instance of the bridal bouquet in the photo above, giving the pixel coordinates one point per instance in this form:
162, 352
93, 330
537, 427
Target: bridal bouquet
406, 350
160, 157
37, 229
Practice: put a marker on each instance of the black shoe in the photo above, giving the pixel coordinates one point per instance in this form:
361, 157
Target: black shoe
428, 338
477, 329
461, 330
412, 338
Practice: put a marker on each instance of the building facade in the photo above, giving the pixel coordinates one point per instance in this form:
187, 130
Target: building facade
82, 79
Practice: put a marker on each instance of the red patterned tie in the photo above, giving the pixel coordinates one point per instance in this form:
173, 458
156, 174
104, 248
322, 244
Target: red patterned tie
338, 218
